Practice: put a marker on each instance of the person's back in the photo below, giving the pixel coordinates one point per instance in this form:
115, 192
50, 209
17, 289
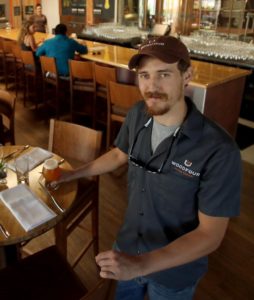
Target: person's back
62, 48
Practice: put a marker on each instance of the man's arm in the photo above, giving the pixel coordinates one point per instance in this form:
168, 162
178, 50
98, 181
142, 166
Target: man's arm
41, 50
32, 43
108, 162
198, 243
82, 49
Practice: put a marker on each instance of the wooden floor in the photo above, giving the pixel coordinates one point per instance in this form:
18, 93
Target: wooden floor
231, 268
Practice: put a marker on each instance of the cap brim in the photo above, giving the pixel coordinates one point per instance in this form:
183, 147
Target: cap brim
134, 61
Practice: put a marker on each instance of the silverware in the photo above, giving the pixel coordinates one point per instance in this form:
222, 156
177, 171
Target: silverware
61, 161
4, 231
10, 155
46, 191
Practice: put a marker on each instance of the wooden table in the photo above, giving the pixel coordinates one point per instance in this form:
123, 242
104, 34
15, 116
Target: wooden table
64, 195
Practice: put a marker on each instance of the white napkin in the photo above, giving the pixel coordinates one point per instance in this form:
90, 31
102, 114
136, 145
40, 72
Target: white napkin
36, 156
29, 210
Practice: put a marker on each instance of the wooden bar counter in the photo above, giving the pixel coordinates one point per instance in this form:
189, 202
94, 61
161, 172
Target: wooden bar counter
216, 90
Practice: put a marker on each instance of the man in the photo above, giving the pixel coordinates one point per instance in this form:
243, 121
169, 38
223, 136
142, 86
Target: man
39, 20
184, 182
62, 48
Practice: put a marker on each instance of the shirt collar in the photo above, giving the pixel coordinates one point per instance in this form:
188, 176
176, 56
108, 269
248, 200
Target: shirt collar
194, 121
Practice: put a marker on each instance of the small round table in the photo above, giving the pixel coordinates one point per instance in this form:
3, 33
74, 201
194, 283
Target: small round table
64, 196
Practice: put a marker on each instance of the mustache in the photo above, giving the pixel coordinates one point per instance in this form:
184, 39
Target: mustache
155, 95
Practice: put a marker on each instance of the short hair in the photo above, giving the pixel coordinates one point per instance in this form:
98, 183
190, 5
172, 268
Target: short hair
61, 29
38, 5
182, 66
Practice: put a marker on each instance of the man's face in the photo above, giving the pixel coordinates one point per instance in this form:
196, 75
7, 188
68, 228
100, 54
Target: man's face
161, 84
38, 10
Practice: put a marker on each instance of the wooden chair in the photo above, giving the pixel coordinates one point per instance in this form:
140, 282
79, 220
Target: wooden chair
102, 74
81, 84
9, 62
47, 275
51, 78
33, 78
79, 145
7, 112
18, 68
121, 97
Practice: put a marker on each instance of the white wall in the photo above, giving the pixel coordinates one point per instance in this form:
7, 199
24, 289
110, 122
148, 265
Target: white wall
50, 9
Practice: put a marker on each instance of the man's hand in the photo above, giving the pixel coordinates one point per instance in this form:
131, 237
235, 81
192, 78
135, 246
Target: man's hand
66, 175
119, 266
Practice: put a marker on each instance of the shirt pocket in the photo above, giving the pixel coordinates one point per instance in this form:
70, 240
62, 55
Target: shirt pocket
174, 192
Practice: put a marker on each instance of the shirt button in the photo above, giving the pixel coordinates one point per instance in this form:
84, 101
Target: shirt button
141, 214
138, 252
140, 234
143, 190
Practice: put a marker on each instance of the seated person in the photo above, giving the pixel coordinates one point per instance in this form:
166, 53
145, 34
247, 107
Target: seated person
62, 48
26, 37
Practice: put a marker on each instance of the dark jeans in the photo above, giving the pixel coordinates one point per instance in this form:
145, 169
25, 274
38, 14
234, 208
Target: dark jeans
137, 289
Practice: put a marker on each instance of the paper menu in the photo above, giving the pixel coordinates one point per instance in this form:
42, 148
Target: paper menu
36, 156
28, 209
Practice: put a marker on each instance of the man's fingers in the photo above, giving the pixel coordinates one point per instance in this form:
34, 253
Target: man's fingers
107, 275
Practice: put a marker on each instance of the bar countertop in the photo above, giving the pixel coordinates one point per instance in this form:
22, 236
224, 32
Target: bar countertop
205, 74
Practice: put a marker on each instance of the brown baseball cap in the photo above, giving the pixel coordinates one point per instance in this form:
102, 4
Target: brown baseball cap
166, 48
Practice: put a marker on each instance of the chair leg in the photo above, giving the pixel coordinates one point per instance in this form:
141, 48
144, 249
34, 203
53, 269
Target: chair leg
95, 229
71, 103
57, 103
108, 137
94, 110
61, 238
25, 90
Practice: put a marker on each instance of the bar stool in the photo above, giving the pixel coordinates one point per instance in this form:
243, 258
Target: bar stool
81, 88
50, 78
33, 88
120, 98
18, 68
9, 62
102, 74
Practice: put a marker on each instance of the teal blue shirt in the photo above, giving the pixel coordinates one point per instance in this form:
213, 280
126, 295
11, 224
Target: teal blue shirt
62, 48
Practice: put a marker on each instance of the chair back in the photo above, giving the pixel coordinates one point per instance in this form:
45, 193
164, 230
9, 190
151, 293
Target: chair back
103, 74
123, 95
74, 142
16, 50
7, 112
7, 46
81, 69
120, 98
48, 64
28, 58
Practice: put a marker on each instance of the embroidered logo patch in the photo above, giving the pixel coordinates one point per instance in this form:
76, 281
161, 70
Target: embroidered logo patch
185, 169
187, 163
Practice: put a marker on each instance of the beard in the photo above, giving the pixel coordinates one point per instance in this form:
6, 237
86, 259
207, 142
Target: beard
157, 110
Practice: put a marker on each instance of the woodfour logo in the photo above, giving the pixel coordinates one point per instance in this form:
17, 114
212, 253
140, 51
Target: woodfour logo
185, 168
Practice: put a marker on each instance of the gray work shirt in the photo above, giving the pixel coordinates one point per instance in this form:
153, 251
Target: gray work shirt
202, 173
